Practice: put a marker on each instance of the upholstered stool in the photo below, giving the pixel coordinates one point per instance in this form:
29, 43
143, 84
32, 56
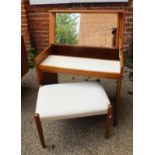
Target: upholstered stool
71, 100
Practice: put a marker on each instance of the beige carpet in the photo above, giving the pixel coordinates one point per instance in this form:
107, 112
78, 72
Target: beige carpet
83, 136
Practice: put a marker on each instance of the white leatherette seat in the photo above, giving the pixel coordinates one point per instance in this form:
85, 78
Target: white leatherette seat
71, 100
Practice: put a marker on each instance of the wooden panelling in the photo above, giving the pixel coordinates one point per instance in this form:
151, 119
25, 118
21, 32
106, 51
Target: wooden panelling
86, 51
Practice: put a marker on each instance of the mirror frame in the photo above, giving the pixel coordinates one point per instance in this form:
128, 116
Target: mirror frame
120, 23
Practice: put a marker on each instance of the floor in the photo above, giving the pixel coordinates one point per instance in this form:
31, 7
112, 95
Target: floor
82, 136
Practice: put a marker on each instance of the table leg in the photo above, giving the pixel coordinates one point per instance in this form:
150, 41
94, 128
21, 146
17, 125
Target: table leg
108, 122
117, 101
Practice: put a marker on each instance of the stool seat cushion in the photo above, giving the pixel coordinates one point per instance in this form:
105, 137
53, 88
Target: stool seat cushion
71, 100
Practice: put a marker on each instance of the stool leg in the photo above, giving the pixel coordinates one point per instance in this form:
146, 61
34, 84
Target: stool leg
40, 130
108, 122
117, 102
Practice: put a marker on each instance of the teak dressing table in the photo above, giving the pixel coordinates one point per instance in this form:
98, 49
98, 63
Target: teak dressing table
98, 62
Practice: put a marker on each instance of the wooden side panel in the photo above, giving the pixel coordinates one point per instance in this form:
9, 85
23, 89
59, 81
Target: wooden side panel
86, 51
42, 55
121, 43
52, 28
117, 33
121, 30
43, 77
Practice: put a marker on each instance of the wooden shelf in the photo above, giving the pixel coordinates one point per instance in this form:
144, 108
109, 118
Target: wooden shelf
81, 66
80, 60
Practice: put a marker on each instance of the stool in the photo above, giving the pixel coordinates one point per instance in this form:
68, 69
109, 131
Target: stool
71, 100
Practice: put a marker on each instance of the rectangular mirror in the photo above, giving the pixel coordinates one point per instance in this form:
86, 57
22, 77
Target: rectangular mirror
99, 28
86, 29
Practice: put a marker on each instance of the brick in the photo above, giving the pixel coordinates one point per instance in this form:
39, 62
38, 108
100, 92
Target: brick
39, 15
38, 33
128, 34
40, 37
25, 23
23, 11
129, 19
130, 9
22, 7
24, 27
127, 25
129, 14
24, 20
131, 24
39, 21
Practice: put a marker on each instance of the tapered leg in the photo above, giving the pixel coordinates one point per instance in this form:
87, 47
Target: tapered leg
117, 101
108, 122
40, 130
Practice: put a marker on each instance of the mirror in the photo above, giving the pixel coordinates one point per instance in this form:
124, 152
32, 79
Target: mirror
88, 29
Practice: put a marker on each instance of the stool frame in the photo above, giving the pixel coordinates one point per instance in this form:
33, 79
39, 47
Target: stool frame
41, 134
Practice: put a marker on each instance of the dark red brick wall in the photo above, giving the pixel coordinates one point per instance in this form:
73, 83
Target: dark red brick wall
25, 24
38, 23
